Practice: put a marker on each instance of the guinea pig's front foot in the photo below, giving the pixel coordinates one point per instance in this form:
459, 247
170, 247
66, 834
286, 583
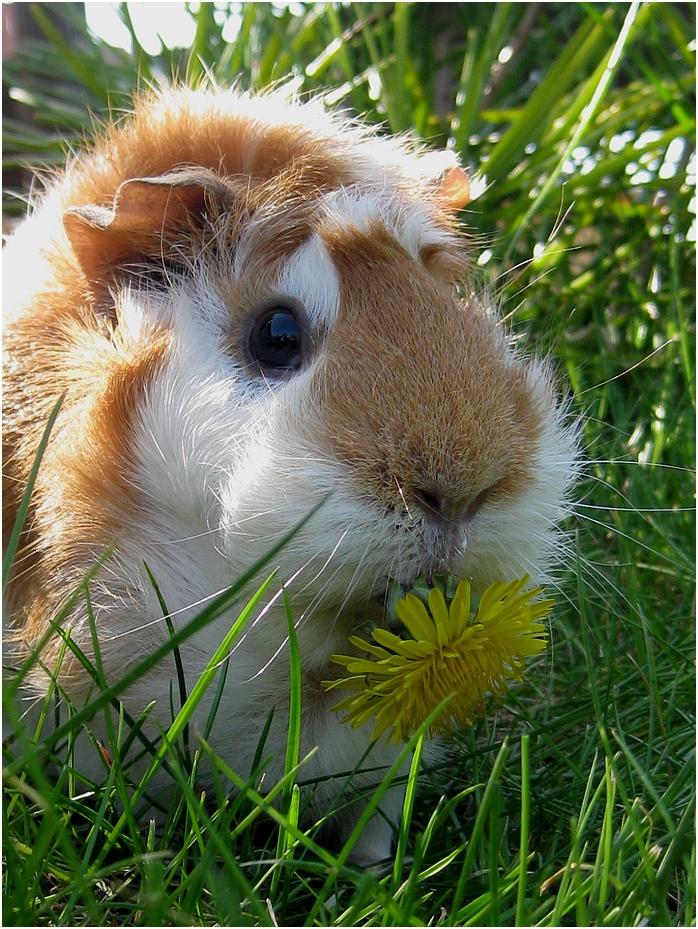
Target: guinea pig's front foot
375, 844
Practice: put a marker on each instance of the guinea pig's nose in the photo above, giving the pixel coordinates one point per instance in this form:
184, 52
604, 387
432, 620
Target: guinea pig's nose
440, 507
429, 501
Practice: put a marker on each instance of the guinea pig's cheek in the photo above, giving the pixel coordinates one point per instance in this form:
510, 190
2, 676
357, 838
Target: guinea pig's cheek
265, 494
242, 490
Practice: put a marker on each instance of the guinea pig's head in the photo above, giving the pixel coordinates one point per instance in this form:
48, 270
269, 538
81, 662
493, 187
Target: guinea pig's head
320, 339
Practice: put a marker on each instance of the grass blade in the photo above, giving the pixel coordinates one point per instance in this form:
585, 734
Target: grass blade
12, 545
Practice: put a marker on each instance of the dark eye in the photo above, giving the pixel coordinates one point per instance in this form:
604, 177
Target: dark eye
276, 341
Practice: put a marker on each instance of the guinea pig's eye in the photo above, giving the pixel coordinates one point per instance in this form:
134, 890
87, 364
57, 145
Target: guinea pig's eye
276, 341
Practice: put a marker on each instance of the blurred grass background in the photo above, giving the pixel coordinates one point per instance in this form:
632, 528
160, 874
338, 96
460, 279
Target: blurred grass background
576, 122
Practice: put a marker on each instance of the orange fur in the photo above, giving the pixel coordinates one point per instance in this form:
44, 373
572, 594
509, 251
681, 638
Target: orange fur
424, 359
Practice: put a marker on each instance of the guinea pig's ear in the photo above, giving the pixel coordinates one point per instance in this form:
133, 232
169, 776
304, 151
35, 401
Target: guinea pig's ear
453, 191
145, 215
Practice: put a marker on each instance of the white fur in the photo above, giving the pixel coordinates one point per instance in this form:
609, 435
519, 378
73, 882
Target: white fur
311, 277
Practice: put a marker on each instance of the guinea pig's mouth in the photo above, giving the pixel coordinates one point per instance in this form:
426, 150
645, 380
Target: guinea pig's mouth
440, 555
361, 596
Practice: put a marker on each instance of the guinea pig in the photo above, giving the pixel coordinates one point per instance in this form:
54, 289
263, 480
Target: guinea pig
252, 306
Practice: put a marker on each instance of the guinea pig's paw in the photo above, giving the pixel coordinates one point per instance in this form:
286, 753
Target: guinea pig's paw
375, 844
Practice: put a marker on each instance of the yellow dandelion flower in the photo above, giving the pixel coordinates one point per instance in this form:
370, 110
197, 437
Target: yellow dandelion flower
452, 653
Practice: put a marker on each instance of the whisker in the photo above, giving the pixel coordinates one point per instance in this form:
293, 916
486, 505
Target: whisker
637, 509
638, 364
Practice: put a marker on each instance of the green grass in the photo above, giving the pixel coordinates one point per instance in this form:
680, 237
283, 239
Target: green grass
574, 803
